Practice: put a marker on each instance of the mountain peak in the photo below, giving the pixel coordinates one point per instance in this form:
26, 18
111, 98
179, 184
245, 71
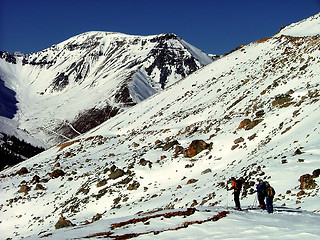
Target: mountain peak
112, 70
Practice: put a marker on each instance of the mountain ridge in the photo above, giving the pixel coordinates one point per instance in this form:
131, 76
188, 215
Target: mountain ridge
114, 71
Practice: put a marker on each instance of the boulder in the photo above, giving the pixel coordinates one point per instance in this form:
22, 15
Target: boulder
102, 183
22, 171
259, 113
144, 162
244, 123
39, 187
24, 189
35, 179
196, 147
191, 181
134, 186
208, 170
316, 173
57, 173
62, 223
238, 140
252, 124
116, 173
307, 182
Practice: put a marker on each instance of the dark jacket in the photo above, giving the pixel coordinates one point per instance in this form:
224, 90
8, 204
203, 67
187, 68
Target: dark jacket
261, 187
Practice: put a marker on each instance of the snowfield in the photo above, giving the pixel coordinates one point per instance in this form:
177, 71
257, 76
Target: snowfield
160, 169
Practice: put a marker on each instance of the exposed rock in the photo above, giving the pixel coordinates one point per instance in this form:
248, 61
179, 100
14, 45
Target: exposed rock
57, 165
247, 124
24, 189
238, 140
134, 144
252, 124
144, 162
134, 186
102, 183
194, 203
170, 145
196, 147
22, 171
97, 217
281, 99
307, 182
35, 179
208, 170
260, 113
179, 149
116, 173
316, 173
297, 152
62, 223
57, 173
244, 123
191, 181
39, 187
252, 136
234, 146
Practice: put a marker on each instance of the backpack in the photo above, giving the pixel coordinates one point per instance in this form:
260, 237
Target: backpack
270, 192
238, 184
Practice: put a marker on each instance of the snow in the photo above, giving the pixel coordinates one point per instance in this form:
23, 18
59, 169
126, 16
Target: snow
252, 224
307, 27
200, 55
140, 87
209, 105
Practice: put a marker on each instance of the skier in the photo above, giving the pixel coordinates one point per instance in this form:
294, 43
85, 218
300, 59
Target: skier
236, 186
269, 193
261, 195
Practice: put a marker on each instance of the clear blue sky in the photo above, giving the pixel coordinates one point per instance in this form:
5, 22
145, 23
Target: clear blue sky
215, 26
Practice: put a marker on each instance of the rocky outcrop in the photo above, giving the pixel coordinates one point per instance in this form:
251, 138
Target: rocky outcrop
196, 147
63, 222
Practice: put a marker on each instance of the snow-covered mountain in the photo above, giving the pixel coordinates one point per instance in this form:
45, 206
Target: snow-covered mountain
69, 88
253, 113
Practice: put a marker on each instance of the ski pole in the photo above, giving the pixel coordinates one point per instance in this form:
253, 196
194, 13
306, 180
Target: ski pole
254, 202
227, 199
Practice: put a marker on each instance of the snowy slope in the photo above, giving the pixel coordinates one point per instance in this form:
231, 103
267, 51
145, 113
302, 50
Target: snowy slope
307, 27
75, 85
139, 163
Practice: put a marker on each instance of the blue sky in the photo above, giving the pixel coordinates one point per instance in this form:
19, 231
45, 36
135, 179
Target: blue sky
215, 26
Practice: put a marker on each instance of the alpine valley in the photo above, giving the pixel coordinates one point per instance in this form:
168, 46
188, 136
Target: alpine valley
148, 131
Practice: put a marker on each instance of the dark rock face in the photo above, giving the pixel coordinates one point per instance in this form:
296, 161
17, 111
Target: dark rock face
60, 82
164, 57
8, 57
88, 120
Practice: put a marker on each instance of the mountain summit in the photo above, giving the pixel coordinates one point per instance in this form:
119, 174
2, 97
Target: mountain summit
73, 86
